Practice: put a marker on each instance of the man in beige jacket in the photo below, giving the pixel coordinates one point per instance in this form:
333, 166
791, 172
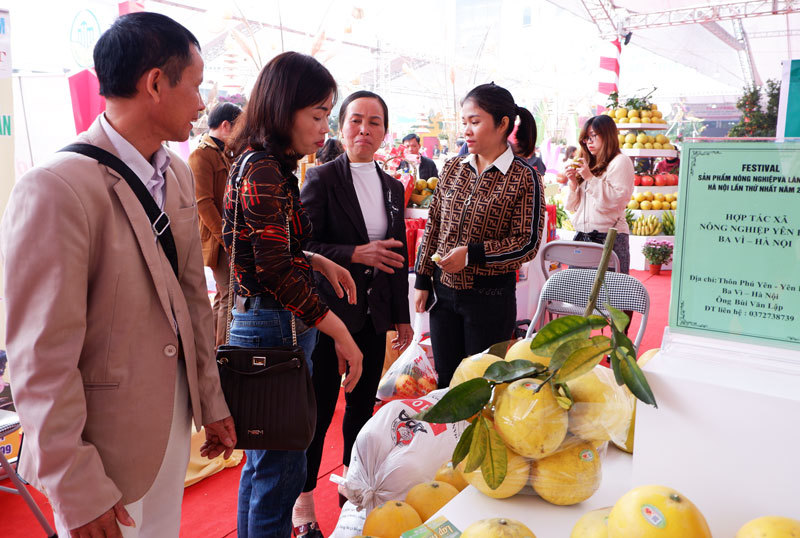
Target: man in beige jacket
111, 350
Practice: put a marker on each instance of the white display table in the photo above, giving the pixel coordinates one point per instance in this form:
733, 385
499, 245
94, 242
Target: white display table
544, 519
725, 433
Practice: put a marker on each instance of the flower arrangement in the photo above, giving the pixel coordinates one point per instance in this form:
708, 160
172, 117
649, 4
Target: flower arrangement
657, 252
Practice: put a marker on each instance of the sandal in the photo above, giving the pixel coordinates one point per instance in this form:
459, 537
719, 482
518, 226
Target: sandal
308, 530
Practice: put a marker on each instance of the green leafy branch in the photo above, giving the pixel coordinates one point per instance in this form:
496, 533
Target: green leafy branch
573, 351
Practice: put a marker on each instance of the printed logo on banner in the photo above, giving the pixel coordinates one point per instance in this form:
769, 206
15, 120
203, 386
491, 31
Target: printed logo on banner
83, 35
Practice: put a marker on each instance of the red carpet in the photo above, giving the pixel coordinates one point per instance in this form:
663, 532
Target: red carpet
209, 507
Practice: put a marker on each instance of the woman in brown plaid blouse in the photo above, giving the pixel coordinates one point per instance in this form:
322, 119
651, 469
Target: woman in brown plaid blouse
485, 221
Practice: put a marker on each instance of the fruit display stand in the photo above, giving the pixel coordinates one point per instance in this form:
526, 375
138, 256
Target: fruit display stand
544, 519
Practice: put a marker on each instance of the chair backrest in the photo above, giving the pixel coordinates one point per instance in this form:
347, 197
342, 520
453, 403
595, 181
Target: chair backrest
575, 253
573, 286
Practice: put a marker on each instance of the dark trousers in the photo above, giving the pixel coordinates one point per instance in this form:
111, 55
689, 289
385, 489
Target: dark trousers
465, 322
359, 404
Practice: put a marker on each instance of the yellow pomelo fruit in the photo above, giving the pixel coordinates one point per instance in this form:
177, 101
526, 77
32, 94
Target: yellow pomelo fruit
621, 112
649, 195
646, 120
639, 197
517, 474
427, 498
633, 204
531, 423
391, 519
638, 145
522, 350
630, 138
472, 367
621, 139
592, 524
657, 145
569, 476
627, 146
497, 528
660, 138
653, 107
656, 512
634, 113
451, 475
642, 138
646, 114
648, 146
656, 204
770, 527
623, 120
602, 410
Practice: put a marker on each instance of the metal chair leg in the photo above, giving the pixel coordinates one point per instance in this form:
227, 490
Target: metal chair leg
22, 491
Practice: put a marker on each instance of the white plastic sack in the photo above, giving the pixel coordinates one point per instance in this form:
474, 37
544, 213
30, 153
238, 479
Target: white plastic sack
351, 522
393, 452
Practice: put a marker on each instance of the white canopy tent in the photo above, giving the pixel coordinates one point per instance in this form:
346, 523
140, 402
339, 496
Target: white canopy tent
735, 42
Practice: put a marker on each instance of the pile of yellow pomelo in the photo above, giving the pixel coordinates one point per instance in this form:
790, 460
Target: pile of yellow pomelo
644, 141
623, 115
553, 450
648, 200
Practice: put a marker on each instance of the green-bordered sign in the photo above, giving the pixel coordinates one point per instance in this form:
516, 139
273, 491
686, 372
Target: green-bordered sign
736, 270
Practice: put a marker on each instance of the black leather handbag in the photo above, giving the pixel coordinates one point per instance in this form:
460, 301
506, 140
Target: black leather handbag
269, 390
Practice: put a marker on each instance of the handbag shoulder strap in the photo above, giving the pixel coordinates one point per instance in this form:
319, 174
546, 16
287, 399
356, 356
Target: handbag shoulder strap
235, 186
159, 220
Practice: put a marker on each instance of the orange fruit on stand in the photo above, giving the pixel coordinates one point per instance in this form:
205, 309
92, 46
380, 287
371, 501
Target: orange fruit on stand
427, 498
391, 519
451, 475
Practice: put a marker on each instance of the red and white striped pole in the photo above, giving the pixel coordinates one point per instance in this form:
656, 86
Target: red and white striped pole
609, 66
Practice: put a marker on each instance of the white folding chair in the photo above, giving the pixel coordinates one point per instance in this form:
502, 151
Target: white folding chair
572, 287
579, 254
9, 423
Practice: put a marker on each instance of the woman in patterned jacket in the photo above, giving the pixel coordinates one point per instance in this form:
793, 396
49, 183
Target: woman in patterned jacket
285, 118
485, 221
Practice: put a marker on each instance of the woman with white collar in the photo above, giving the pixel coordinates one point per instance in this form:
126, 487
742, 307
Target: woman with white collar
485, 221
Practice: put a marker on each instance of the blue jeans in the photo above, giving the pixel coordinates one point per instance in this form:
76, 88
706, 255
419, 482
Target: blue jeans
271, 479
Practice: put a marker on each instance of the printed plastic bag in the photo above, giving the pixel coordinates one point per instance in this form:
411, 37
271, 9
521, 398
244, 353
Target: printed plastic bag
394, 452
412, 374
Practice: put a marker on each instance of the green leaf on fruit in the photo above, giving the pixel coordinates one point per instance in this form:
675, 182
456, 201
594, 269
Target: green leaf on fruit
462, 447
495, 462
459, 403
619, 319
563, 353
636, 381
615, 361
583, 359
505, 372
559, 331
478, 447
564, 402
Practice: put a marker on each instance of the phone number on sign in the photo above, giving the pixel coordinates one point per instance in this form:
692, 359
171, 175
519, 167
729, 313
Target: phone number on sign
770, 315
